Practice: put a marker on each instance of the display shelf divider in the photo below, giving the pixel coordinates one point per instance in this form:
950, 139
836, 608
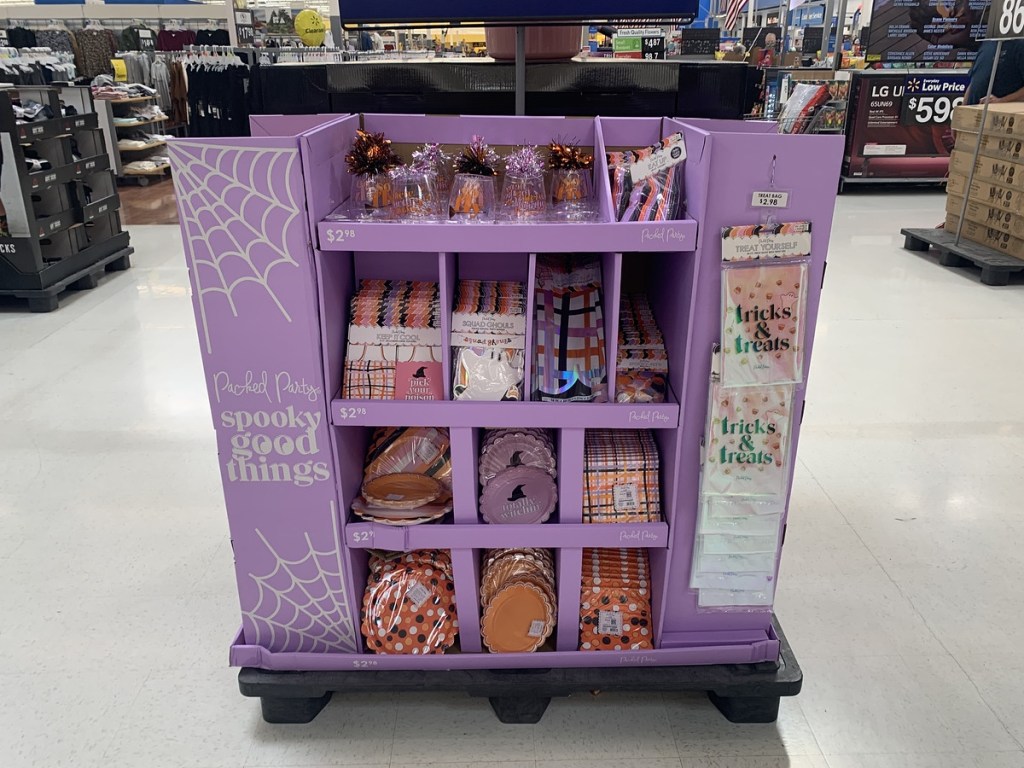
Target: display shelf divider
464, 478
531, 318
611, 273
602, 184
323, 148
448, 271
466, 570
366, 535
569, 565
462, 413
570, 474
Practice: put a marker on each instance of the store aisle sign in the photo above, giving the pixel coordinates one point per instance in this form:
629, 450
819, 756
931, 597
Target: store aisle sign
1008, 16
929, 30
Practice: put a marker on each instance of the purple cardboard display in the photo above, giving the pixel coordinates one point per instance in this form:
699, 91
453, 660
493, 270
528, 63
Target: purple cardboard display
271, 284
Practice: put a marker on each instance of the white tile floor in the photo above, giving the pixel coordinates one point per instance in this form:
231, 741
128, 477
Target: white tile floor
901, 577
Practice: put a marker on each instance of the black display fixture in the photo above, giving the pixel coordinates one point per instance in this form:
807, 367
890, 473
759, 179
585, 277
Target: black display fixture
529, 12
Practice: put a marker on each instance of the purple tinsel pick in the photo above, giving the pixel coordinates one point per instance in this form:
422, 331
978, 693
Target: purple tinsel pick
430, 157
525, 161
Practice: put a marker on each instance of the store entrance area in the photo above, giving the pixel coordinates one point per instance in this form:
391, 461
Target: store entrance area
898, 589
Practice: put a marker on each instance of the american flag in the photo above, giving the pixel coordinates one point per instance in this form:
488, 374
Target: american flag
733, 12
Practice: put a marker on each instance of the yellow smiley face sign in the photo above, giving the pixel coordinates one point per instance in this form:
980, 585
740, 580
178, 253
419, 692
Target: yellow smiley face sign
309, 26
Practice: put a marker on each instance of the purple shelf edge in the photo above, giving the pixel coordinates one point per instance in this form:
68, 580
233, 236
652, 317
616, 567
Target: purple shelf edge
411, 413
244, 655
597, 237
367, 535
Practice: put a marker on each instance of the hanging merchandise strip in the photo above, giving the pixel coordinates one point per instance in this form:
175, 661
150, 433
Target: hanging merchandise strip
743, 487
750, 409
764, 299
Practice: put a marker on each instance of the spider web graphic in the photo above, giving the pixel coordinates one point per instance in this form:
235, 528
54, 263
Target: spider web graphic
298, 609
239, 210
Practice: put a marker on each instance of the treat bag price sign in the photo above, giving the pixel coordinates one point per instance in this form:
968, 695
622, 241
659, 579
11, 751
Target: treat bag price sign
930, 100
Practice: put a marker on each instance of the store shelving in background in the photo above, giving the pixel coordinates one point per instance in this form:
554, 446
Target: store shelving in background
65, 229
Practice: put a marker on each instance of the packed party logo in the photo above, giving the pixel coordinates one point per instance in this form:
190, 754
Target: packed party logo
273, 444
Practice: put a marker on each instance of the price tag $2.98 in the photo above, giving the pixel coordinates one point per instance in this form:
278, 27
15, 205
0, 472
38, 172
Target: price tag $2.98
769, 200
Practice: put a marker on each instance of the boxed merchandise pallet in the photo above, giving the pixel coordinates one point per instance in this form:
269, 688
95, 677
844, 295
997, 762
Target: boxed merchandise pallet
987, 193
477, 445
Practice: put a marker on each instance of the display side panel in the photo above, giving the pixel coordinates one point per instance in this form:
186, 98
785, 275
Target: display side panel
244, 227
734, 156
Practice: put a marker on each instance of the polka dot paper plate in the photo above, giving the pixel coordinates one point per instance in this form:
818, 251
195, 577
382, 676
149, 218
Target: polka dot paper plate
409, 604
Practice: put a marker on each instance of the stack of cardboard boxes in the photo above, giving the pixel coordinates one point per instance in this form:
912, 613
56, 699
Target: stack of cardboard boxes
995, 198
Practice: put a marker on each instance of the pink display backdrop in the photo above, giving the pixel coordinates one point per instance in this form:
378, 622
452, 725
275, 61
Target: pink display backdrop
271, 283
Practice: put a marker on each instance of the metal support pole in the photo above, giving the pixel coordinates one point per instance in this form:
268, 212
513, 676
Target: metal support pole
826, 22
783, 23
520, 70
981, 133
837, 58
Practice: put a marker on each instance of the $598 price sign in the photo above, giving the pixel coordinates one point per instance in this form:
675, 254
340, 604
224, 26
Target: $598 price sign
928, 110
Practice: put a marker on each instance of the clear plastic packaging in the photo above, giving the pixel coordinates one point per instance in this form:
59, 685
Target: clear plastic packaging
615, 601
735, 553
569, 331
409, 603
746, 445
642, 363
763, 327
416, 450
647, 183
489, 340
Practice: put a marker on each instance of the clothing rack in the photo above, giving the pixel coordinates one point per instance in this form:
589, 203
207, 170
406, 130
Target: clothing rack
114, 22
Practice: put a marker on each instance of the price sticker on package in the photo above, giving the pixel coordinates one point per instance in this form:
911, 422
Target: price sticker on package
770, 199
609, 623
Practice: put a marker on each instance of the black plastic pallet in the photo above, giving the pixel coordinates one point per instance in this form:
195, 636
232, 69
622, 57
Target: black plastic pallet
996, 267
744, 693
48, 299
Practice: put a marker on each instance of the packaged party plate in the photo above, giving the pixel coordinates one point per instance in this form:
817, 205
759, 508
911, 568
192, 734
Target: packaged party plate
519, 495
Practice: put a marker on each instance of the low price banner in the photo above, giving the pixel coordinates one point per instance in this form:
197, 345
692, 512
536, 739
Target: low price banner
900, 125
931, 100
